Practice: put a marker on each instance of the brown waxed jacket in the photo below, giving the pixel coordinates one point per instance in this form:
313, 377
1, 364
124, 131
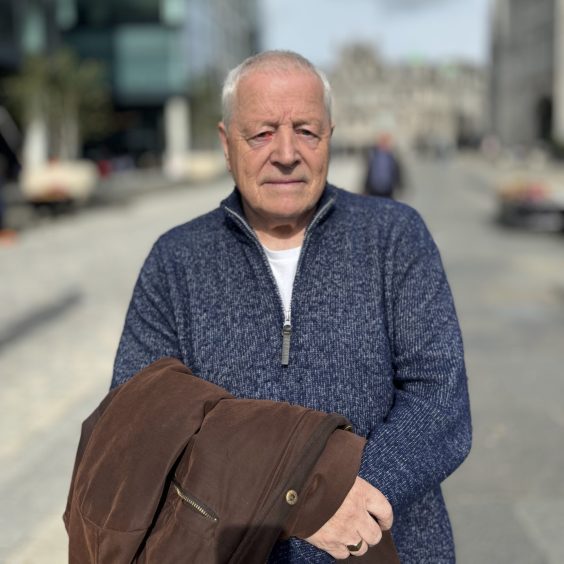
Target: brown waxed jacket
171, 468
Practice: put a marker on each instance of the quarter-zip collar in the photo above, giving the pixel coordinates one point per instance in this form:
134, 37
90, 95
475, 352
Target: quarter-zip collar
233, 207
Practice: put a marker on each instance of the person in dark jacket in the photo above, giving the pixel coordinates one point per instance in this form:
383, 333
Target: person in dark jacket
294, 290
384, 175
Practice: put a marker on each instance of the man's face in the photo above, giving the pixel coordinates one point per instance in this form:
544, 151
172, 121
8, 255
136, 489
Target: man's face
277, 146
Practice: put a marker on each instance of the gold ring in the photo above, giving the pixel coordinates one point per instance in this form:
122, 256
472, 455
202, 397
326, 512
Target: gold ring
354, 547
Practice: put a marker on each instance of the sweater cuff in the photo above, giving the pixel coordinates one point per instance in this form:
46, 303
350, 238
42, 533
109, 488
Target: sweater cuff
328, 484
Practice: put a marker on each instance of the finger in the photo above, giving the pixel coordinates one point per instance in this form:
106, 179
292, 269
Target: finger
335, 548
361, 551
341, 553
380, 508
369, 530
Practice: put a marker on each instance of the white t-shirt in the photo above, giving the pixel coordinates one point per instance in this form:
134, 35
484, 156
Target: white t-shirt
284, 265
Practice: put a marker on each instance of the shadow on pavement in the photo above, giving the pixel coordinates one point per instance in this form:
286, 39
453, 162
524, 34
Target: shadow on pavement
41, 316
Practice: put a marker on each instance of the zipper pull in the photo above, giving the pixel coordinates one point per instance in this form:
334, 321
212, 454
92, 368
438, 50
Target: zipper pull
286, 335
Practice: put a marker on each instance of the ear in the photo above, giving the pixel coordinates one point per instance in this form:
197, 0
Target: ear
222, 130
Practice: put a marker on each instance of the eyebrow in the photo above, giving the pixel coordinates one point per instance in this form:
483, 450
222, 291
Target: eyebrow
273, 123
312, 121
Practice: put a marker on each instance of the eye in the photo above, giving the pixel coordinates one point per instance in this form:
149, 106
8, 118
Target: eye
259, 139
263, 135
306, 132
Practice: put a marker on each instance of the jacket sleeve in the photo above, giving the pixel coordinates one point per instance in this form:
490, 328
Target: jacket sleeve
427, 433
150, 330
326, 488
328, 484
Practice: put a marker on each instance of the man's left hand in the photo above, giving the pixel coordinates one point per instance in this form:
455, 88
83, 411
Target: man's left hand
362, 516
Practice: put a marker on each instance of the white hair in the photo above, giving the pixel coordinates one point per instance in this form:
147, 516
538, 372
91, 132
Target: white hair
270, 61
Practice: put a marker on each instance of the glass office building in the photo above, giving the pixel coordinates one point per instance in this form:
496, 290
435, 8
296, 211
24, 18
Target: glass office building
9, 51
11, 56
155, 51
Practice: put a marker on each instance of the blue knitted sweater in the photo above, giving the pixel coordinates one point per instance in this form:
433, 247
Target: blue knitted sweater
374, 337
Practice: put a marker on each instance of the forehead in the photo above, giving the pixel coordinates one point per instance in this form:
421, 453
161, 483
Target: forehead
264, 96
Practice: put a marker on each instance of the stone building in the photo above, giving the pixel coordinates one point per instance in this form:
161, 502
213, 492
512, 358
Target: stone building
527, 73
440, 106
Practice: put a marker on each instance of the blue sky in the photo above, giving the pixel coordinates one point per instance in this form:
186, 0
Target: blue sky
436, 30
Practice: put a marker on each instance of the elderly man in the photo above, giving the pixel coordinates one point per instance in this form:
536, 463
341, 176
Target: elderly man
294, 290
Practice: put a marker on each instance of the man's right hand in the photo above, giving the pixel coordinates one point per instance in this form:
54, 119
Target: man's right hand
363, 515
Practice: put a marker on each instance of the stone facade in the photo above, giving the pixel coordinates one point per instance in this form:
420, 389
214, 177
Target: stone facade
526, 76
415, 103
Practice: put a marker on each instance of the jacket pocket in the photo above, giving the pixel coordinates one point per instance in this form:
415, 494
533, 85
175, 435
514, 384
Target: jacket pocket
185, 530
194, 503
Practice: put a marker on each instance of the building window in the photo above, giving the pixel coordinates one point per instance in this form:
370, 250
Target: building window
106, 13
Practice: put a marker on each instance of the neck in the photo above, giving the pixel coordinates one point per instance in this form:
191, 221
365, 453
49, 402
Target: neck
279, 234
280, 241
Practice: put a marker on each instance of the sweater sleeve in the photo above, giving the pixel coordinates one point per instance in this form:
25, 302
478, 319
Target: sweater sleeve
150, 331
427, 433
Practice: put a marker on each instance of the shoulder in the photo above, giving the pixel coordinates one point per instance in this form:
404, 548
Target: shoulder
382, 223
374, 211
195, 235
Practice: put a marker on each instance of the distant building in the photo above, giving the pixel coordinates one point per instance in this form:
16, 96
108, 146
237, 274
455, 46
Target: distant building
26, 27
417, 103
9, 44
527, 72
9, 61
162, 57
164, 61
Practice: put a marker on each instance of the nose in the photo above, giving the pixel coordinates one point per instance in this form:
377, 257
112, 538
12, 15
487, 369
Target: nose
284, 149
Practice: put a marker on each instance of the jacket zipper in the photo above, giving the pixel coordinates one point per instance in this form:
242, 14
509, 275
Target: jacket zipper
287, 323
195, 504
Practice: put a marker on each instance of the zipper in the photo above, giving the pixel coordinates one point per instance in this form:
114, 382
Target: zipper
193, 503
287, 323
286, 337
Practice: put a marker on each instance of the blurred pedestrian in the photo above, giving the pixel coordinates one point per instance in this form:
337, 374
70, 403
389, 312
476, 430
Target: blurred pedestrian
294, 290
383, 171
7, 236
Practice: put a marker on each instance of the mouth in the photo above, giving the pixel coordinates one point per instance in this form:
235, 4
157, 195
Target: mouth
284, 182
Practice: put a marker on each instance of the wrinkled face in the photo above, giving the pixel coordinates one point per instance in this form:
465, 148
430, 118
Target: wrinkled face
277, 145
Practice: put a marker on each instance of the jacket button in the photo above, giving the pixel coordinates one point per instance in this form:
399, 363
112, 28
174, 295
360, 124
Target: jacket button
291, 497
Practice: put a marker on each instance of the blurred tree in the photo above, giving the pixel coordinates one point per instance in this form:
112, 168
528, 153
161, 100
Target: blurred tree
69, 96
205, 109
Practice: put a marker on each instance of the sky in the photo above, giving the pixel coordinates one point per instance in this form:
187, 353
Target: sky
402, 30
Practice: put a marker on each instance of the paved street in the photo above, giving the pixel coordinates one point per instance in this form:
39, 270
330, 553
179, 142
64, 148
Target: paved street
64, 290
507, 500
